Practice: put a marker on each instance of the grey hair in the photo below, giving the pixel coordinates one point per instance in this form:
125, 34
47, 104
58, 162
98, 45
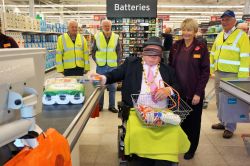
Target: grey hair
72, 22
106, 21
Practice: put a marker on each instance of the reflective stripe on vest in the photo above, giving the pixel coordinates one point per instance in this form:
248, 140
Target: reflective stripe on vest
244, 55
102, 60
59, 63
231, 48
107, 49
73, 60
244, 69
228, 62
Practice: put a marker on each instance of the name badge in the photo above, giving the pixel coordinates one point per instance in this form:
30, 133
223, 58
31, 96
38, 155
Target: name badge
6, 45
197, 56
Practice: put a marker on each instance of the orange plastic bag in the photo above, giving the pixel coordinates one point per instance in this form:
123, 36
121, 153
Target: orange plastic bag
53, 150
96, 111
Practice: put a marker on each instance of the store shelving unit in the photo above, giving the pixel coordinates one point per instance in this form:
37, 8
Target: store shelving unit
33, 33
133, 32
211, 35
89, 37
177, 35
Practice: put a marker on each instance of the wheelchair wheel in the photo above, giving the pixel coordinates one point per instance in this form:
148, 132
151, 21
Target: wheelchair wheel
121, 154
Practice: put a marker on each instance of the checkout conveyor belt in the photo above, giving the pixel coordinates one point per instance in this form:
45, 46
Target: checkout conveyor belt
70, 120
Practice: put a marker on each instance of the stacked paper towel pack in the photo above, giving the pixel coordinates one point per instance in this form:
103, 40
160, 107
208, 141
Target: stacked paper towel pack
63, 91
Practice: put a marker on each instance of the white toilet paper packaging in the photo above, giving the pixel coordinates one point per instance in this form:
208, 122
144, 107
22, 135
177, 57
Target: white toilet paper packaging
63, 93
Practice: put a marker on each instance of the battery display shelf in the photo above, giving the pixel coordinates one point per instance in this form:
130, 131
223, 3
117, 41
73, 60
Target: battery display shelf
133, 32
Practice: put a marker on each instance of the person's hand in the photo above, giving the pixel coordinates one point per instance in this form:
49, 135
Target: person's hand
196, 100
162, 93
212, 76
97, 79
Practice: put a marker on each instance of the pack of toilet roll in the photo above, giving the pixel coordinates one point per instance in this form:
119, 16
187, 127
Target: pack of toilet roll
63, 91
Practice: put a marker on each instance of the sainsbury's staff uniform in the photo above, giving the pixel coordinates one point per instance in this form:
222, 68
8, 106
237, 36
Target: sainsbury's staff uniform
7, 42
190, 59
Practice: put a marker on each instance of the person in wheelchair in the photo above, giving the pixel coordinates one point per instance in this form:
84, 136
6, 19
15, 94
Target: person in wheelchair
145, 75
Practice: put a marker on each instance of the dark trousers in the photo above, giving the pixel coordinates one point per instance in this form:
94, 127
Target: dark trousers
139, 161
192, 124
77, 71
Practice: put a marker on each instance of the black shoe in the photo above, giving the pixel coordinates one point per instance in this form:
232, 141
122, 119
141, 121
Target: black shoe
113, 109
227, 134
188, 156
218, 126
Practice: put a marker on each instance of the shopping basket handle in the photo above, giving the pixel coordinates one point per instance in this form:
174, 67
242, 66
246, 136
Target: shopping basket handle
177, 93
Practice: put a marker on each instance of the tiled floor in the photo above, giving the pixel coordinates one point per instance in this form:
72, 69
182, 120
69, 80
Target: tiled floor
98, 142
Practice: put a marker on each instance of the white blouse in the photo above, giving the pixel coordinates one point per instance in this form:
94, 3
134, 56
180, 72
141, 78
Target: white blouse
145, 97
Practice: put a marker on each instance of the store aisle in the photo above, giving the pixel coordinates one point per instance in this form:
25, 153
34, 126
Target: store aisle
98, 142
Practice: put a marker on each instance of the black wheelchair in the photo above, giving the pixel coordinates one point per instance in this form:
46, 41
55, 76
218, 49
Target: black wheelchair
123, 114
176, 105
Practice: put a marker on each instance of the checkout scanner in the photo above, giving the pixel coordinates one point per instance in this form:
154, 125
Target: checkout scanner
21, 83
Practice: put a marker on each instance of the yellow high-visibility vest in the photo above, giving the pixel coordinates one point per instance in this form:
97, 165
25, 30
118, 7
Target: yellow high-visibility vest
70, 55
231, 55
106, 53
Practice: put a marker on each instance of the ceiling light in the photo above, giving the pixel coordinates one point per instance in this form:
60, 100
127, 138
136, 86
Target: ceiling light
161, 6
194, 12
71, 11
200, 6
182, 16
159, 12
16, 10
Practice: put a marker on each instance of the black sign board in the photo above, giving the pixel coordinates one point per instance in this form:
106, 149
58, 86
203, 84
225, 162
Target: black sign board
246, 17
132, 8
211, 23
204, 25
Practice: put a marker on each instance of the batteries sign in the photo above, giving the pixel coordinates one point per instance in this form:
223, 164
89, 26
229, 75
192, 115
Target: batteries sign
131, 8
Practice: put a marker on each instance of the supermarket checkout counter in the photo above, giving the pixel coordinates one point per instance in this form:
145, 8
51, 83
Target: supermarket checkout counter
235, 100
21, 89
70, 120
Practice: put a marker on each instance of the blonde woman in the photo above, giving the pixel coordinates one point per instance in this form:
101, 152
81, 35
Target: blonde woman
190, 58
